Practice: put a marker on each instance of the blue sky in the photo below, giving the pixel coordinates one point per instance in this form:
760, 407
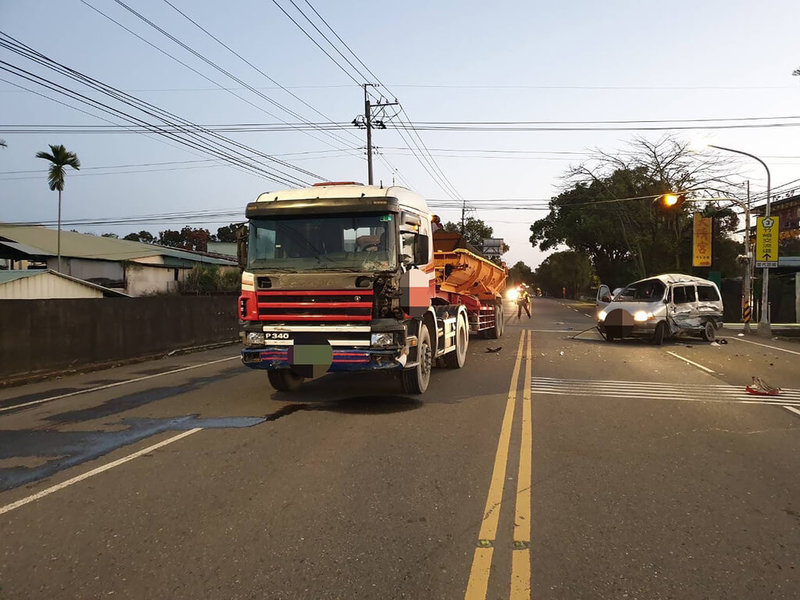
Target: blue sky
444, 61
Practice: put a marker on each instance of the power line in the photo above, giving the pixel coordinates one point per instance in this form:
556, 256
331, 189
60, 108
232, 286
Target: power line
207, 142
212, 64
256, 68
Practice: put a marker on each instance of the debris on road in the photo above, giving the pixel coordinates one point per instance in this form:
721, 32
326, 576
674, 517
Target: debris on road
760, 387
490, 349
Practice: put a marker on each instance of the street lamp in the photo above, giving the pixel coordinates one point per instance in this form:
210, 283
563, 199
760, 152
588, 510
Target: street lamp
668, 201
764, 328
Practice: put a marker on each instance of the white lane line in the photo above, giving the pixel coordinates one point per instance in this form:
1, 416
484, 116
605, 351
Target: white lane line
691, 362
738, 339
793, 409
98, 470
111, 385
587, 315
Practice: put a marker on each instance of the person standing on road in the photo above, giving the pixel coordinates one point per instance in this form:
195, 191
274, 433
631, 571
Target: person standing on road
523, 301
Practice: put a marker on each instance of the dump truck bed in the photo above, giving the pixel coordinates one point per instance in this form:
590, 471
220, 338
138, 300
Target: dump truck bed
461, 270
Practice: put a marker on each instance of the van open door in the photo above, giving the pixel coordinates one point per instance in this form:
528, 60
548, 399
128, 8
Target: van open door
603, 298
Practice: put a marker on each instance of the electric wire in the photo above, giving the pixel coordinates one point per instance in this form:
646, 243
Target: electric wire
210, 63
256, 68
231, 149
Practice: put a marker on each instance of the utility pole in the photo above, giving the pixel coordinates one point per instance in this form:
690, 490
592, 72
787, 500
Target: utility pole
368, 121
748, 264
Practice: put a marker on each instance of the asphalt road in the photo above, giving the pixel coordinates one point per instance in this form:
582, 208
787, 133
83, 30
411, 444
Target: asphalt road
560, 466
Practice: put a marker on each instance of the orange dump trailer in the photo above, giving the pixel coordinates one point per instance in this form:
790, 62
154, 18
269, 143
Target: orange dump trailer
465, 277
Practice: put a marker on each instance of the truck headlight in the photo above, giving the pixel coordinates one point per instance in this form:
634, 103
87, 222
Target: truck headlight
255, 338
381, 339
601, 316
641, 316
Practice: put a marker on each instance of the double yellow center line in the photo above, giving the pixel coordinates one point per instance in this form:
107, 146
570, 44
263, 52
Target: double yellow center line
520, 587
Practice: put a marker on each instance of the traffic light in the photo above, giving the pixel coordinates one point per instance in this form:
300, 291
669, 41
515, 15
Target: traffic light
670, 201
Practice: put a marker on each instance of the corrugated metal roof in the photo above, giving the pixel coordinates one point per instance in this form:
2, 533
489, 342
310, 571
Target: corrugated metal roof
44, 241
13, 275
6, 276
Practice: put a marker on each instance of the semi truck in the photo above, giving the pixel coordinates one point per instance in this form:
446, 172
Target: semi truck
348, 277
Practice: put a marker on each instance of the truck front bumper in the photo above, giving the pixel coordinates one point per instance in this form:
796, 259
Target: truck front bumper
344, 358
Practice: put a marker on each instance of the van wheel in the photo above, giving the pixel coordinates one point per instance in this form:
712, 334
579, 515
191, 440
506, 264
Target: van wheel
709, 332
285, 380
457, 358
660, 333
415, 380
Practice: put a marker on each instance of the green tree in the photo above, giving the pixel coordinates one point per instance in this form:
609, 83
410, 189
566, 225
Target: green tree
227, 233
59, 158
187, 238
568, 271
519, 273
475, 231
113, 236
204, 279
606, 209
142, 236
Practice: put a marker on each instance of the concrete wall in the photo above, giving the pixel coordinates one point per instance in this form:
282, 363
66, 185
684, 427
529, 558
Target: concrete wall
143, 280
39, 336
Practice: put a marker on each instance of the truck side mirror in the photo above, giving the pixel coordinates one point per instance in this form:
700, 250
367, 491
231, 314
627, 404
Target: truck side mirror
241, 246
421, 250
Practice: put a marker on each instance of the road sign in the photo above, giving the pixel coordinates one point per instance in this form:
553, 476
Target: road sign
701, 256
767, 242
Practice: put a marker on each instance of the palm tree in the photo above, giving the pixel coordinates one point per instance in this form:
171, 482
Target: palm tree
59, 158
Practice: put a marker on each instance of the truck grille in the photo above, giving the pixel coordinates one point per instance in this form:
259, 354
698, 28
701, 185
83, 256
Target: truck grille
309, 306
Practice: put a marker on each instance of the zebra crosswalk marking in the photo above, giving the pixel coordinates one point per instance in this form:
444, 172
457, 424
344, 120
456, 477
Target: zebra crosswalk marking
652, 390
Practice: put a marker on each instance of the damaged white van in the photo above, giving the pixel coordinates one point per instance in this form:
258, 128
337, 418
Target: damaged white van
660, 307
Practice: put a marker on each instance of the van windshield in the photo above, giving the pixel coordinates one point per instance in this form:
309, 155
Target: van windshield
648, 290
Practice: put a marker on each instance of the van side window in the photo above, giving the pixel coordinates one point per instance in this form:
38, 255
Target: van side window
683, 294
707, 293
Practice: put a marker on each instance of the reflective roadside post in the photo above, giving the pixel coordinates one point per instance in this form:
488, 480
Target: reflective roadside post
764, 327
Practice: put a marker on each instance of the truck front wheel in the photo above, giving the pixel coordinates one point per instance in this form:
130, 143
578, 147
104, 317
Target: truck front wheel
415, 380
285, 380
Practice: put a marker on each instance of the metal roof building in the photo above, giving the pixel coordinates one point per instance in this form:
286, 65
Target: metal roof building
133, 267
41, 284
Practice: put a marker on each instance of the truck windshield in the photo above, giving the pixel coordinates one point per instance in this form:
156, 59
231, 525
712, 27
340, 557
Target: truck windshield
366, 242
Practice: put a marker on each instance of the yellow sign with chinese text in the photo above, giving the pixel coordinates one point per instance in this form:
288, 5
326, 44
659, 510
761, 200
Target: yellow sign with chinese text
767, 242
701, 255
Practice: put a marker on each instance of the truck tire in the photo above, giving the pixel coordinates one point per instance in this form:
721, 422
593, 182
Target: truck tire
709, 332
457, 358
285, 380
415, 380
499, 324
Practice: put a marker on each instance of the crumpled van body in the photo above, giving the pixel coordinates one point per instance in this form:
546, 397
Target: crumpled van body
660, 307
